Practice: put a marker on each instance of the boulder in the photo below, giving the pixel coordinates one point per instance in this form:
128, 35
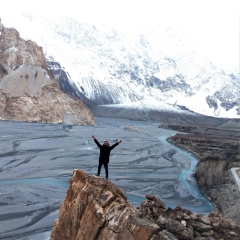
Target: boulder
95, 208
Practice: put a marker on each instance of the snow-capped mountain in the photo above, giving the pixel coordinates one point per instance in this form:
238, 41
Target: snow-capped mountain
154, 69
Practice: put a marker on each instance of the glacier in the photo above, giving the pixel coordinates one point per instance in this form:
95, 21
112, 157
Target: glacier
155, 67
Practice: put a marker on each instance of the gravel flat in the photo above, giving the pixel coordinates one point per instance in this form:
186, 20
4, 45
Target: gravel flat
37, 160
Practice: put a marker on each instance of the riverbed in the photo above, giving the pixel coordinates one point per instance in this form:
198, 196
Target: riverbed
37, 160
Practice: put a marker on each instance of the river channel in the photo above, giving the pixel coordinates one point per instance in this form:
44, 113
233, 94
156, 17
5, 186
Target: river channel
37, 160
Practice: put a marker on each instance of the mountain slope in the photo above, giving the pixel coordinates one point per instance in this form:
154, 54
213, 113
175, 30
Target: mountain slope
154, 67
28, 92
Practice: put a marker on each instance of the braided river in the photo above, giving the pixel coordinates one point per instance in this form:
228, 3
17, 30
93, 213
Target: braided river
37, 161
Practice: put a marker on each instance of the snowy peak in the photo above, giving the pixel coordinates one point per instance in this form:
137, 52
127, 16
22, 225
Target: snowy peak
158, 66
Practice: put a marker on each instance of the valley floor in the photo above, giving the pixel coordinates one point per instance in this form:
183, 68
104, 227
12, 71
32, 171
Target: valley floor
214, 146
37, 160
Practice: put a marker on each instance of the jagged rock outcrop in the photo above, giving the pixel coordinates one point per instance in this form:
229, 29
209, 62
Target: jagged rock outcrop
95, 208
28, 92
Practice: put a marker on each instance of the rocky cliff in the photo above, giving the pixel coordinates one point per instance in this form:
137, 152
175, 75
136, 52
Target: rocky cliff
28, 91
94, 208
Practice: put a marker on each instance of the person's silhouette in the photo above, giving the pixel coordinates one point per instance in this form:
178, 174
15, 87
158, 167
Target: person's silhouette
104, 156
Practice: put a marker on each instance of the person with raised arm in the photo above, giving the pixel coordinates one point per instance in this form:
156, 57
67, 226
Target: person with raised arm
104, 155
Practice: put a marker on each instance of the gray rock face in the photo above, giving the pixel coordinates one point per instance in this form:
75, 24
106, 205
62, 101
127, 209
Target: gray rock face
27, 91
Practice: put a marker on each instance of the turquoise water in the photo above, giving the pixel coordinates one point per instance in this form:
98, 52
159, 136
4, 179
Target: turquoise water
37, 161
192, 187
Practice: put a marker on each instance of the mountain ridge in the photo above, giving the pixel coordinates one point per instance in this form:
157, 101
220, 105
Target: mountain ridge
109, 67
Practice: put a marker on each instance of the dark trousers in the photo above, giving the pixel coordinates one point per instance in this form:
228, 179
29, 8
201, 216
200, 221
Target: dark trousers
105, 166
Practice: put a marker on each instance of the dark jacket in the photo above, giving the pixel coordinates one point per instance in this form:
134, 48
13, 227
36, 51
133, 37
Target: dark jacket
104, 151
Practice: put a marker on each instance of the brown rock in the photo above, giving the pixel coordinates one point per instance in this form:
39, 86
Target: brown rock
216, 225
151, 197
177, 229
229, 224
159, 203
200, 227
96, 209
207, 234
205, 220
158, 211
215, 215
161, 220
173, 213
28, 92
194, 216
164, 235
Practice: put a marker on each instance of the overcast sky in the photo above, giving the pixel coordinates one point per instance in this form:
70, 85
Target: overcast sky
213, 24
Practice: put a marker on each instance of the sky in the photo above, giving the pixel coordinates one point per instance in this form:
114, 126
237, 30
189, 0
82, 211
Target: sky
213, 25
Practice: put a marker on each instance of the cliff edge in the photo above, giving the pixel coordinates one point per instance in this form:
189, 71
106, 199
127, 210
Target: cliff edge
95, 208
28, 91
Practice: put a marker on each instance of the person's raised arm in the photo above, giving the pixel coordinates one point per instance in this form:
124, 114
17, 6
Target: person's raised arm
117, 143
96, 141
